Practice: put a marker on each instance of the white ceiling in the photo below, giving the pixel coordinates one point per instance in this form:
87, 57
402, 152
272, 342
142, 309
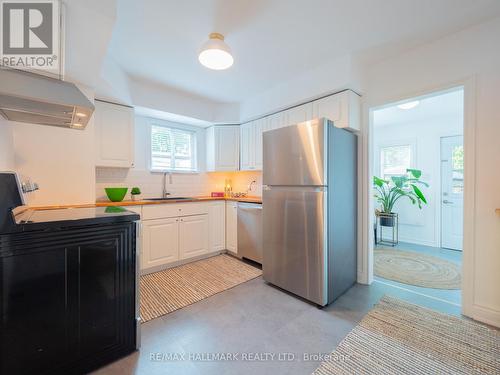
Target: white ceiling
444, 105
273, 40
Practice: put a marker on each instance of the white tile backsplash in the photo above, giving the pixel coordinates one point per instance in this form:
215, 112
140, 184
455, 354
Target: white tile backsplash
185, 184
151, 184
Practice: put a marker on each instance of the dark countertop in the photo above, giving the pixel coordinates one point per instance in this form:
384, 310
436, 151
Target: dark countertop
30, 220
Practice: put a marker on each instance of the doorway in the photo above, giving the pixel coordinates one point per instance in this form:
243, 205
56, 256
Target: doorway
418, 155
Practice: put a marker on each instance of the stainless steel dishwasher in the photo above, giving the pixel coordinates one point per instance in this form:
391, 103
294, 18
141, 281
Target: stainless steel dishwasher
250, 231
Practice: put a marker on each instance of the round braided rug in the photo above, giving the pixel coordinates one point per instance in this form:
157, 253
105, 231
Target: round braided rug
416, 269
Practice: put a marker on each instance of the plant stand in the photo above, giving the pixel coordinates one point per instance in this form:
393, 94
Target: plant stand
385, 220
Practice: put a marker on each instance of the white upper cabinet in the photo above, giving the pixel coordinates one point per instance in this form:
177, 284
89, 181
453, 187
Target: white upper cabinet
247, 146
251, 145
343, 109
114, 132
223, 148
259, 126
276, 121
299, 114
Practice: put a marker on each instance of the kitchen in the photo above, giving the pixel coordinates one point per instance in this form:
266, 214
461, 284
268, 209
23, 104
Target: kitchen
244, 187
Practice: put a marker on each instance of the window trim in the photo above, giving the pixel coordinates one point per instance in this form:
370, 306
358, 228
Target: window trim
194, 147
412, 142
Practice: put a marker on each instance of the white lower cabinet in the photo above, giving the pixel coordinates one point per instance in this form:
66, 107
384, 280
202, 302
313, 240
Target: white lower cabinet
160, 242
176, 232
217, 226
232, 226
193, 236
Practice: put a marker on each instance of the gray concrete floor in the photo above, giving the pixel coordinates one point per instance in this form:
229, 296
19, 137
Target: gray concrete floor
452, 296
253, 319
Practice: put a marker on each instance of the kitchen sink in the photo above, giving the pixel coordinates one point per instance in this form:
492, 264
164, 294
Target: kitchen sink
167, 199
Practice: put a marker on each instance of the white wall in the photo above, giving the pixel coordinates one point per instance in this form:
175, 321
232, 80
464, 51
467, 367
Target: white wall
167, 99
470, 56
6, 146
60, 160
419, 226
328, 77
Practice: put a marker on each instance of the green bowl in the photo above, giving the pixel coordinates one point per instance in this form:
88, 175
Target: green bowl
116, 194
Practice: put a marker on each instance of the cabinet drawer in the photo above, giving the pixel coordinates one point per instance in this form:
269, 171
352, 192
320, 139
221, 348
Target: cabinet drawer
159, 211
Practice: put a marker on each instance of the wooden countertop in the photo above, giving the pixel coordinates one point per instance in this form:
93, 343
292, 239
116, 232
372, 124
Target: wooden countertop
146, 202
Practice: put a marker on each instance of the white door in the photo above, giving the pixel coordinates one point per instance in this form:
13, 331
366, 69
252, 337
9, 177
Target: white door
114, 135
160, 242
452, 192
299, 114
217, 225
227, 148
258, 131
232, 227
193, 236
246, 146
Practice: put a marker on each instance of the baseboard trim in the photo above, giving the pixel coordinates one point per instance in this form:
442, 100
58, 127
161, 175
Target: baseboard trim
180, 262
486, 315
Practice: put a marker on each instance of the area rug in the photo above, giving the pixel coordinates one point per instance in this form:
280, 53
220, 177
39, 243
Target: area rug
169, 290
400, 338
416, 269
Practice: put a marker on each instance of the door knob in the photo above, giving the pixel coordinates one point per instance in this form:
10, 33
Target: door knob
447, 202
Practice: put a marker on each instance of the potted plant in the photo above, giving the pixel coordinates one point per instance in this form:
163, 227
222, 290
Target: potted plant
135, 192
389, 192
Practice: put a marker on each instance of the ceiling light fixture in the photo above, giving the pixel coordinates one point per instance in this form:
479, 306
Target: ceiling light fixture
409, 105
215, 53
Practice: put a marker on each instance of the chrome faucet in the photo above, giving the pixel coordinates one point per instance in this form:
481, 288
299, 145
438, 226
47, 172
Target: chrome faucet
165, 193
250, 186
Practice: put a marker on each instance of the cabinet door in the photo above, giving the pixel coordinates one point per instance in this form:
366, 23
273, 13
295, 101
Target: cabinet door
114, 130
258, 131
328, 107
276, 121
247, 147
232, 226
343, 109
227, 148
160, 242
299, 114
217, 225
193, 236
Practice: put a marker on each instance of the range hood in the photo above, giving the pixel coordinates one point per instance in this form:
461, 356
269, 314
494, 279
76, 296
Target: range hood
28, 97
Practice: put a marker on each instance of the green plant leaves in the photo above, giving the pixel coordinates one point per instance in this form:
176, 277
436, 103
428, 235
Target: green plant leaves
389, 192
399, 180
417, 173
378, 181
418, 193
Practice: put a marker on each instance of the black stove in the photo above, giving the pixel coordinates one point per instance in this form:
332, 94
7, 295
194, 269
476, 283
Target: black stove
68, 285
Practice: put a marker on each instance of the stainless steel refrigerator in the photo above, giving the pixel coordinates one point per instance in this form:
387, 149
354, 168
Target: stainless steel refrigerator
309, 210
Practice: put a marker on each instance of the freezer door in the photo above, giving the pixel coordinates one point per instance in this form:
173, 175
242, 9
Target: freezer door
295, 241
295, 155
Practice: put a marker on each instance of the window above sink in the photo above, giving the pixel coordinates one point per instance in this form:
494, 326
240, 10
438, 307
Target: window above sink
172, 149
